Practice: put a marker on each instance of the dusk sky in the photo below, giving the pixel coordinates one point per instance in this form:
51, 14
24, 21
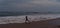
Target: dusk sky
30, 5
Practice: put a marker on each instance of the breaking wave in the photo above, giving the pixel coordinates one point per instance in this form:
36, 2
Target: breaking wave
21, 19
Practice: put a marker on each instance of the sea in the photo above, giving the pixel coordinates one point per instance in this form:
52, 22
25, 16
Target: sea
10, 17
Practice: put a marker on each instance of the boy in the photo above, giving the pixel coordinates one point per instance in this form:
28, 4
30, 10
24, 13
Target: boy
27, 21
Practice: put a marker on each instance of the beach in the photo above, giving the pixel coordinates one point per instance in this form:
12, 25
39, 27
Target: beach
36, 21
21, 19
29, 13
37, 24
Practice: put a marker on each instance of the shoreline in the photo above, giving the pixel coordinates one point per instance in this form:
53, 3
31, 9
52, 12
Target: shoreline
21, 19
34, 24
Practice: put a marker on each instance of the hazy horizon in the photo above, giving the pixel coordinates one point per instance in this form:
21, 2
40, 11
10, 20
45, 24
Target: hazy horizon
10, 7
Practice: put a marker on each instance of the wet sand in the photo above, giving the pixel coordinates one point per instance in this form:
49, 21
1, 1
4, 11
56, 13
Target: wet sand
37, 24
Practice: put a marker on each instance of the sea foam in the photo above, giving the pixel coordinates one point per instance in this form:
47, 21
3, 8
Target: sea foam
21, 19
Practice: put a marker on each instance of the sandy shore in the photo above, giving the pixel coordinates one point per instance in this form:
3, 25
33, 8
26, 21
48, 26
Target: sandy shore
37, 24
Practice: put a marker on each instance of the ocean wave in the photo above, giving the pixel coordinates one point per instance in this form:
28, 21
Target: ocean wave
21, 19
9, 13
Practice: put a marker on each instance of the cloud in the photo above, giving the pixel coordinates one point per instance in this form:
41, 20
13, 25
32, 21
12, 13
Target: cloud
44, 5
39, 2
33, 5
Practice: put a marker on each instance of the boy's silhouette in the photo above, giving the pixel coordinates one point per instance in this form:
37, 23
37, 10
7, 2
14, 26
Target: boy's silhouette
27, 21
26, 18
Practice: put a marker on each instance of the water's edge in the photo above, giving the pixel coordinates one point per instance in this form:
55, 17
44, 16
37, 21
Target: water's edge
21, 19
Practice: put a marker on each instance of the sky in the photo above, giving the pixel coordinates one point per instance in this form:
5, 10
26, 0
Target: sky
30, 5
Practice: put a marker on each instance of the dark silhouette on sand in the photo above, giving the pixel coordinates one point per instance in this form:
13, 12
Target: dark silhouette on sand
27, 21
26, 18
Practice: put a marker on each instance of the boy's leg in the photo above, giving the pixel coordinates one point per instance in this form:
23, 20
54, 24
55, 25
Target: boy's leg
27, 22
